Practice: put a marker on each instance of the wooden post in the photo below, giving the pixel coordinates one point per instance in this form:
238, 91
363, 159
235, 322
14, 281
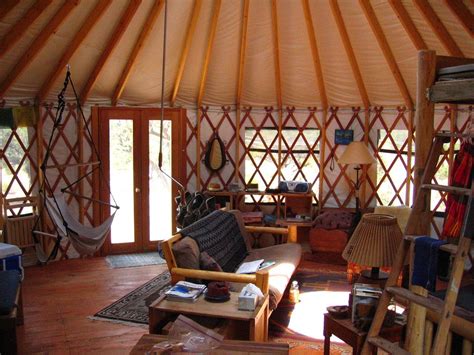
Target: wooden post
428, 337
409, 158
365, 167
80, 168
322, 157
424, 127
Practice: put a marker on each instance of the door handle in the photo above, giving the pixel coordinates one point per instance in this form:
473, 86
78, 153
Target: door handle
137, 190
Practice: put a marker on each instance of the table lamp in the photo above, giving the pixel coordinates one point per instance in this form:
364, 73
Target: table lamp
356, 154
374, 243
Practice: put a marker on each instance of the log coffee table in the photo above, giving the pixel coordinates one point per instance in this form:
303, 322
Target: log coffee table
253, 323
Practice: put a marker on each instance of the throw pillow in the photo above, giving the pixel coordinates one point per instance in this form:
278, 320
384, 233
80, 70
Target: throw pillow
208, 263
186, 253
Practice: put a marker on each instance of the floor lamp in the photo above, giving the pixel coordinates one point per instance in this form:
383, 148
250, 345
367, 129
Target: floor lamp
356, 154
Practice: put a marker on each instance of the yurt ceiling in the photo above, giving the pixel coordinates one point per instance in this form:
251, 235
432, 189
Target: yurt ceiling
254, 53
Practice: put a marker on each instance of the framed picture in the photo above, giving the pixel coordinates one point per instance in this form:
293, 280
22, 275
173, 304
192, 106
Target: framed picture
343, 136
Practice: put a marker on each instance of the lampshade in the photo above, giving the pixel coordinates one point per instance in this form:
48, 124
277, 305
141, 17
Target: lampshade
356, 153
375, 241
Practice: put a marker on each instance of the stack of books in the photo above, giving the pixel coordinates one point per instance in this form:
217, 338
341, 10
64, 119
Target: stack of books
185, 291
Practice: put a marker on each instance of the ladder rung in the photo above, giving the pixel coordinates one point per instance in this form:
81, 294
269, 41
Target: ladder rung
449, 248
410, 296
388, 346
450, 189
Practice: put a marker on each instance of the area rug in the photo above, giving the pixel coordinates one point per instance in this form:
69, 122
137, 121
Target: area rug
133, 307
132, 260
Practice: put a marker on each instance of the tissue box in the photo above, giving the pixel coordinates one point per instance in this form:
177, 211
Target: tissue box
247, 302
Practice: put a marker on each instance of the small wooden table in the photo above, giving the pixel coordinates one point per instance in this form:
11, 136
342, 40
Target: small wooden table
346, 331
162, 310
240, 347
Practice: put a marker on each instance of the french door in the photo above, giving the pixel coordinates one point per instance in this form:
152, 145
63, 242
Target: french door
129, 143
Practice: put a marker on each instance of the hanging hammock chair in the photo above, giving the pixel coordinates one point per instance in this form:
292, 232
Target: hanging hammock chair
86, 240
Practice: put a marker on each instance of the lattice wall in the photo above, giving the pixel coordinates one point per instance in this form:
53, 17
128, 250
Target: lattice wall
67, 148
390, 137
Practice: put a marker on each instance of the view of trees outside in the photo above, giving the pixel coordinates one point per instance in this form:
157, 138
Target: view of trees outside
398, 174
160, 184
122, 180
15, 161
264, 155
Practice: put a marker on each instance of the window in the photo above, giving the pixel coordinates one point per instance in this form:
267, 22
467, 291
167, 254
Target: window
299, 156
17, 170
392, 167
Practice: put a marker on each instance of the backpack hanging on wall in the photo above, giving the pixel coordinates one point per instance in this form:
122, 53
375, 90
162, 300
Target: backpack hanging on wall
215, 154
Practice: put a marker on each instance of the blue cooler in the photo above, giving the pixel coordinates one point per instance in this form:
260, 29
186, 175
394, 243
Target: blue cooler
10, 258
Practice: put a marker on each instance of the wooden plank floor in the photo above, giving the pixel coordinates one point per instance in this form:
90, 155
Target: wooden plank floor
58, 298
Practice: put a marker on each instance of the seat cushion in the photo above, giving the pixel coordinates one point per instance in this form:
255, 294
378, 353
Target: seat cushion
286, 257
9, 283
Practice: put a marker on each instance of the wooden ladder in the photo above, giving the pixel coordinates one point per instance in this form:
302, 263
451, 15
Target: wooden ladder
421, 210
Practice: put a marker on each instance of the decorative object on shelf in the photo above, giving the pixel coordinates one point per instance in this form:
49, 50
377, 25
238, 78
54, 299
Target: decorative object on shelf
235, 187
214, 186
356, 154
214, 158
252, 187
374, 243
294, 186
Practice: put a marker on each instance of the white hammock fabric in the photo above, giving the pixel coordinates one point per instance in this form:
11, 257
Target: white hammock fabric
86, 240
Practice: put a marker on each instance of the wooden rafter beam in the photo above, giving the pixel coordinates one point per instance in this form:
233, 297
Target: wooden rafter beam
463, 14
276, 54
210, 43
145, 32
185, 52
6, 6
88, 24
113, 41
336, 11
243, 47
437, 26
15, 33
315, 53
38, 44
387, 52
408, 24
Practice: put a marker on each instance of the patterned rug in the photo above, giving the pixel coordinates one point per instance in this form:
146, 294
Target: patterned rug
133, 307
132, 260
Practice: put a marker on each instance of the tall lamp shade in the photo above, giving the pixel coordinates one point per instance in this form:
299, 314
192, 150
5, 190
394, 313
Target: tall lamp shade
356, 153
374, 243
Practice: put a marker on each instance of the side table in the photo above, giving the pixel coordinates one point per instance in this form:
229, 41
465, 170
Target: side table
346, 331
255, 322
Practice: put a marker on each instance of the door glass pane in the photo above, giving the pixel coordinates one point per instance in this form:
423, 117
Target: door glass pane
121, 179
160, 184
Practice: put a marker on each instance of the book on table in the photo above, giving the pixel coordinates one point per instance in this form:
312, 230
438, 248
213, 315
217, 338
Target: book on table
249, 267
185, 291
